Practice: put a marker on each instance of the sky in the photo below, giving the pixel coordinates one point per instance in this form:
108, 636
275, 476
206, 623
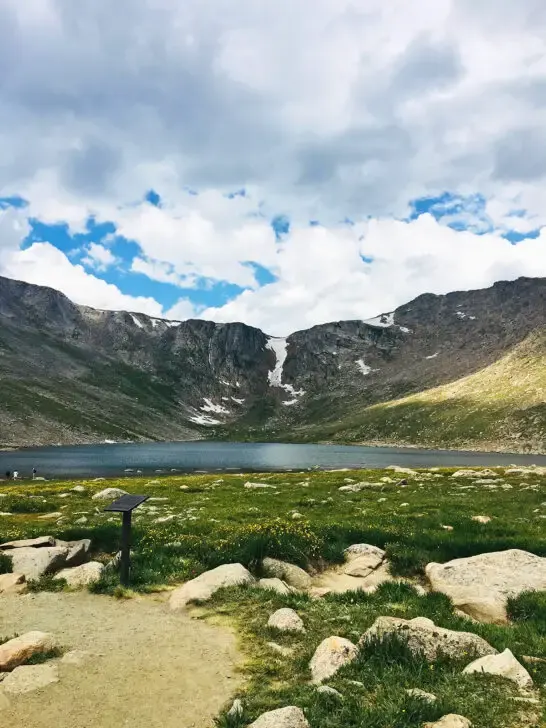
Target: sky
282, 163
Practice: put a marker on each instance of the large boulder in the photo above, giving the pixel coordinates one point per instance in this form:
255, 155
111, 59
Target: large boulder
18, 650
83, 575
289, 717
109, 494
28, 543
450, 721
480, 585
289, 573
205, 585
286, 620
504, 665
423, 636
12, 583
78, 552
30, 677
35, 562
330, 656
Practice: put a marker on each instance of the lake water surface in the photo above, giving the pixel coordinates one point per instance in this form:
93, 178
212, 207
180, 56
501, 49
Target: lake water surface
164, 457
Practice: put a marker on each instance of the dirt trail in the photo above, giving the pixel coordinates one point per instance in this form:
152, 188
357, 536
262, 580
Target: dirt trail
151, 668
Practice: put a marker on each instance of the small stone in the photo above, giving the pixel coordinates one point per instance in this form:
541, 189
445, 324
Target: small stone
275, 585
286, 620
258, 486
405, 471
236, 710
50, 516
504, 665
331, 655
78, 489
284, 651
12, 583
18, 650
481, 519
78, 658
289, 717
290, 573
450, 721
327, 690
447, 528
30, 677
109, 494
81, 521
421, 695
297, 516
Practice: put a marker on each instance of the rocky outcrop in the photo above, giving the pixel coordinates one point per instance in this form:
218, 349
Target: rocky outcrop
109, 494
18, 650
330, 656
34, 558
503, 665
289, 717
204, 586
480, 585
290, 573
286, 620
424, 637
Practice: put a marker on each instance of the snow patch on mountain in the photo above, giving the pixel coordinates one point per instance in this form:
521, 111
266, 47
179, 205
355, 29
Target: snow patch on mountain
383, 321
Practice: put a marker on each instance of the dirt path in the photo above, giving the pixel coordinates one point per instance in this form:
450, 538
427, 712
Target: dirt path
151, 668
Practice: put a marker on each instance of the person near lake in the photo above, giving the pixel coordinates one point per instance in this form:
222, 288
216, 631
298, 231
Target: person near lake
33, 473
15, 474
8, 474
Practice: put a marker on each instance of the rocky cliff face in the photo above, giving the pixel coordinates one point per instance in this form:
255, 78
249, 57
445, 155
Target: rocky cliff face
70, 373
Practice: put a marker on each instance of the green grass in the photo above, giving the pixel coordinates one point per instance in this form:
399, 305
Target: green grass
217, 520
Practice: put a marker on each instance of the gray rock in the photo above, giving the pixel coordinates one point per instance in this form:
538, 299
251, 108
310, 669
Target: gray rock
78, 553
330, 656
289, 717
327, 690
275, 585
236, 710
450, 721
259, 486
290, 573
109, 494
423, 636
421, 695
284, 651
27, 678
205, 585
18, 650
480, 585
83, 575
363, 559
504, 665
286, 620
78, 489
35, 562
28, 543
12, 583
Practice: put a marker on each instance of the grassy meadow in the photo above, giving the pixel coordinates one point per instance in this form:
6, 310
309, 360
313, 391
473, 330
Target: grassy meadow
194, 523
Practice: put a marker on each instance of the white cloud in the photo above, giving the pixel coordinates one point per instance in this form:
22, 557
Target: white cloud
323, 277
346, 108
43, 264
99, 257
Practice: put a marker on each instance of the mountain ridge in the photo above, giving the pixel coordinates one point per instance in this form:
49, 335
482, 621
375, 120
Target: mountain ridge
71, 373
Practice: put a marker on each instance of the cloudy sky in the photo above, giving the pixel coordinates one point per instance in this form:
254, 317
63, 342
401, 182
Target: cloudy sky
279, 162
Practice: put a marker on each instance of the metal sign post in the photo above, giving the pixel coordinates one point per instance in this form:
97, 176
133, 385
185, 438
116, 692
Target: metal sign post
126, 505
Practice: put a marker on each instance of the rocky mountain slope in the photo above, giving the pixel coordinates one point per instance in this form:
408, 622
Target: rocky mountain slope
70, 373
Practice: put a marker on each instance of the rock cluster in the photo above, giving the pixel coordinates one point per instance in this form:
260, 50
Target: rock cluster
33, 558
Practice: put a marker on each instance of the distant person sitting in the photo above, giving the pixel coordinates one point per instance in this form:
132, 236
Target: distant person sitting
33, 473
15, 474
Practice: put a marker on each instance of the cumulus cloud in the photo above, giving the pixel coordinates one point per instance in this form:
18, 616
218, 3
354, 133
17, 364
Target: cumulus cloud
346, 109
